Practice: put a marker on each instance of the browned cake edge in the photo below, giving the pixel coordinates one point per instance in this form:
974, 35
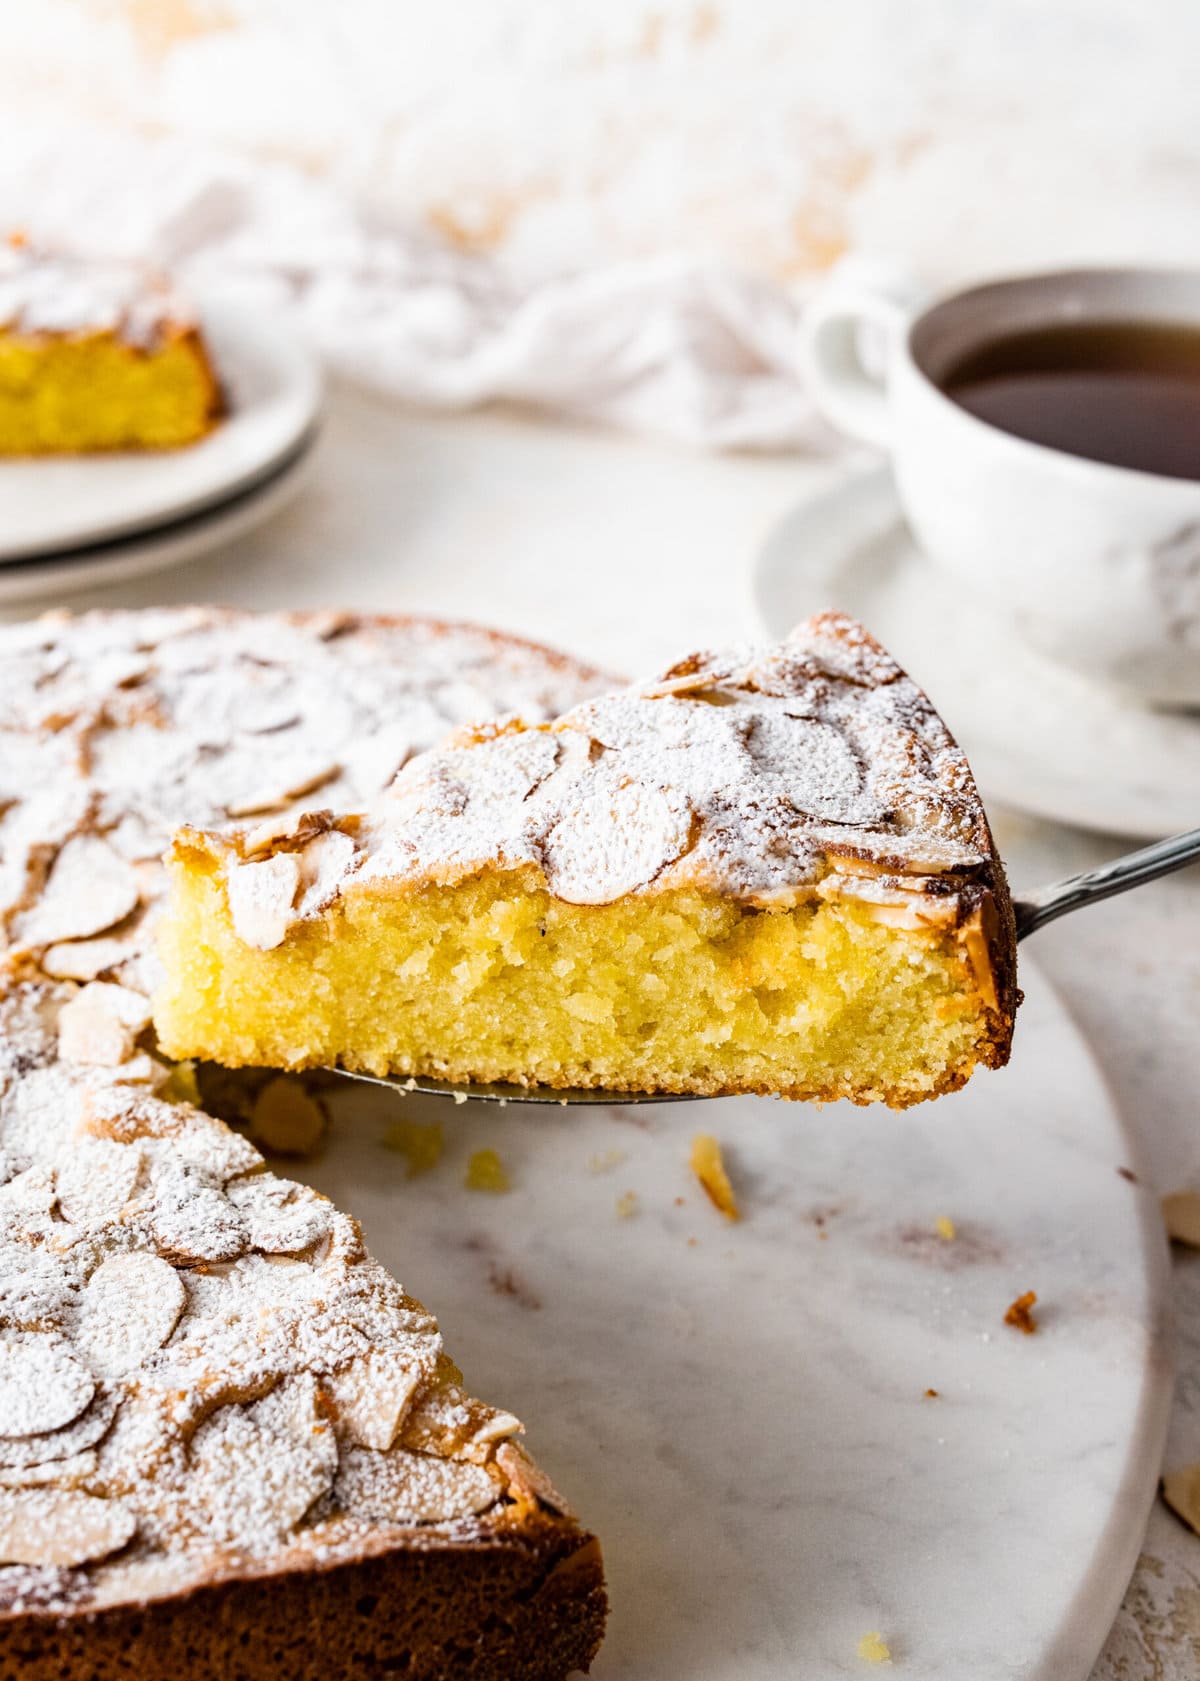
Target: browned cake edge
522, 1602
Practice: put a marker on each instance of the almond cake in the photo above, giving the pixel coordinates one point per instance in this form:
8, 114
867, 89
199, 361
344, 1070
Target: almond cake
231, 1446
767, 871
97, 356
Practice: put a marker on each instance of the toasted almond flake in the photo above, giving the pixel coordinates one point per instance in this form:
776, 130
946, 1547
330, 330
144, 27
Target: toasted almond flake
286, 1120
1020, 1313
87, 960
485, 1172
872, 1648
709, 1167
421, 1143
405, 1487
295, 826
101, 1023
61, 1527
1181, 1212
131, 1305
261, 896
1181, 1491
60, 1473
528, 1481
271, 799
48, 1446
90, 888
254, 1470
281, 1218
96, 1182
945, 1228
372, 1395
42, 1385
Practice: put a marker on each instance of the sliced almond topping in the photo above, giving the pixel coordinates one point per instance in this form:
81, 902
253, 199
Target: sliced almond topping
61, 1473
281, 1219
60, 1526
1181, 1491
1181, 1212
261, 897
286, 1120
87, 960
405, 1487
616, 840
294, 826
372, 1395
101, 1023
92, 1425
302, 782
97, 1180
255, 1470
131, 1305
42, 1385
90, 888
528, 1481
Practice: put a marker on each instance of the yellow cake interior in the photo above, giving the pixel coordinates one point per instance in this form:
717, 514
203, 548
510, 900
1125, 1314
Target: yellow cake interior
76, 393
495, 979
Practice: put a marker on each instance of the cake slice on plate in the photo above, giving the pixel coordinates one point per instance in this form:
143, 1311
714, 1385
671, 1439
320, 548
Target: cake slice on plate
97, 356
767, 871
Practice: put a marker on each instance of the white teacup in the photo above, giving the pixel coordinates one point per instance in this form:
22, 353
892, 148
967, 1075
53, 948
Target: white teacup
1098, 566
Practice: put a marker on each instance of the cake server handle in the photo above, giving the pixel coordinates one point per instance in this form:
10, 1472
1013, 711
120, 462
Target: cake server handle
1044, 904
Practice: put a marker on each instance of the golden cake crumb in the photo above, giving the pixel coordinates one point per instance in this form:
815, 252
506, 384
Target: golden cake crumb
485, 1172
1181, 1491
286, 1120
605, 1160
420, 1143
932, 1394
626, 1205
872, 1648
945, 1228
1020, 1313
1181, 1213
709, 1167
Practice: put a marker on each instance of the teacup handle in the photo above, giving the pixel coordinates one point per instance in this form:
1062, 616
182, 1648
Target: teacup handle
849, 393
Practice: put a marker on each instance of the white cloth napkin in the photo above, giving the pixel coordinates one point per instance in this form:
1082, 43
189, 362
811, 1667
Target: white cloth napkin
681, 346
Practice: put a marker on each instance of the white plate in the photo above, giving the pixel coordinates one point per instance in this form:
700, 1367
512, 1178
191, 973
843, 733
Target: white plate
1038, 737
62, 575
740, 1411
272, 384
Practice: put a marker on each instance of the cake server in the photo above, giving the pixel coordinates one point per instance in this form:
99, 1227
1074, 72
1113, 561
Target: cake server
1032, 910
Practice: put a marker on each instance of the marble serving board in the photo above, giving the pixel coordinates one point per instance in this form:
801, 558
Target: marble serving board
740, 1410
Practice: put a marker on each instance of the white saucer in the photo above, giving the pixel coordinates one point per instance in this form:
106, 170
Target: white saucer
272, 384
1039, 738
46, 580
740, 1410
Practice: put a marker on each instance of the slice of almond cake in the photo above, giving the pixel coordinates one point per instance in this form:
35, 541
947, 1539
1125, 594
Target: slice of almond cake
766, 871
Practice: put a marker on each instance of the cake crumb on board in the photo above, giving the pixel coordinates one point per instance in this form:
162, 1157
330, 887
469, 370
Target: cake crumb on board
486, 1172
873, 1648
709, 1167
420, 1143
1020, 1315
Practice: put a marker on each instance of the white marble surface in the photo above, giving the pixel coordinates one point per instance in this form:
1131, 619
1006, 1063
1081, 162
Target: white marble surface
740, 1410
629, 551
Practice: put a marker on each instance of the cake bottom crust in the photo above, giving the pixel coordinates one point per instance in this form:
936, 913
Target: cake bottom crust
528, 1605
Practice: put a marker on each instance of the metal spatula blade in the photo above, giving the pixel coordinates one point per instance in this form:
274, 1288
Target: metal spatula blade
1033, 911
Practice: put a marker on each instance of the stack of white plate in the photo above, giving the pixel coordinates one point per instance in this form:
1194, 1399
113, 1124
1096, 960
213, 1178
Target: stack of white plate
72, 522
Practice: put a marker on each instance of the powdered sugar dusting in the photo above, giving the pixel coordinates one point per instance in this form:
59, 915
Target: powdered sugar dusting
755, 773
